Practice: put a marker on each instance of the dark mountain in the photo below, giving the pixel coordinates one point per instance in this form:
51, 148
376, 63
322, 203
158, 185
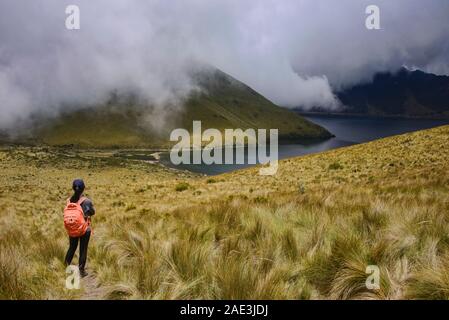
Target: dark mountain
405, 94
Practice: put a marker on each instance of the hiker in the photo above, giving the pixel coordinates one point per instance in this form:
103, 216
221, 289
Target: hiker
77, 215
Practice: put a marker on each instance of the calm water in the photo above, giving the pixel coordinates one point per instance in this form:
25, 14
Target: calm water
359, 129
348, 131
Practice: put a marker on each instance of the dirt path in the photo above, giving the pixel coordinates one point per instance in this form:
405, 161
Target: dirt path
92, 289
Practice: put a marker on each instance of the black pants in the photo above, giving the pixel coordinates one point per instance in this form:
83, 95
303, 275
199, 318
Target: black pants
84, 241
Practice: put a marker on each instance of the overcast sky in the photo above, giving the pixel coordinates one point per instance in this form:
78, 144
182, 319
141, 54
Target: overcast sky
295, 52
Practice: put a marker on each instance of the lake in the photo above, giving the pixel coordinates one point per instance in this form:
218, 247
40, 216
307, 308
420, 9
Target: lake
348, 130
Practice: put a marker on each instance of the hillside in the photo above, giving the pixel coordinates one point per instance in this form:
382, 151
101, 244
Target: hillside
403, 94
223, 102
308, 232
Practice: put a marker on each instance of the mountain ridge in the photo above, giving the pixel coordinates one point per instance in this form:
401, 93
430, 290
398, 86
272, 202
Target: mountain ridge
223, 102
405, 93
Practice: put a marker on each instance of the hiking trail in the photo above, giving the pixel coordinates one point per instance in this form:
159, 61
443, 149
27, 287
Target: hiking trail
92, 289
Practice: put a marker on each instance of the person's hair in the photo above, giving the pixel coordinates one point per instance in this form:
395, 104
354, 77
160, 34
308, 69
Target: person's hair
78, 188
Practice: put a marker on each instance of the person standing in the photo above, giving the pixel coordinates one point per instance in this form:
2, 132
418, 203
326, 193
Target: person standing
77, 221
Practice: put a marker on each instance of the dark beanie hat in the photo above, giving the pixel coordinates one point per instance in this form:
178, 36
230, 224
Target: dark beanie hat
78, 185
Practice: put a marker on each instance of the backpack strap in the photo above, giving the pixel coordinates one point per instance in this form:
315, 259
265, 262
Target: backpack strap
81, 200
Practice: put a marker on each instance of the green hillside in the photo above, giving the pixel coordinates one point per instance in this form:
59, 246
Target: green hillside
223, 102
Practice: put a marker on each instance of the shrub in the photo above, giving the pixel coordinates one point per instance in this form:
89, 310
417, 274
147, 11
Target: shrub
130, 207
335, 166
182, 186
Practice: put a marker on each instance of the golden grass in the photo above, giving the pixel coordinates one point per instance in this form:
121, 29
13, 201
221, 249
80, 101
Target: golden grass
307, 233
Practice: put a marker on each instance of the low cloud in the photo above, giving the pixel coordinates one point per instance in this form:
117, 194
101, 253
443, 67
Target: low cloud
295, 52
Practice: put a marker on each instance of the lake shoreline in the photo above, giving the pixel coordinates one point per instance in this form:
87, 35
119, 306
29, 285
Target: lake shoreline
371, 116
347, 130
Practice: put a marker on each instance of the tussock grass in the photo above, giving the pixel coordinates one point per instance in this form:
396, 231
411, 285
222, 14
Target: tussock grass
13, 277
430, 281
182, 186
243, 236
30, 267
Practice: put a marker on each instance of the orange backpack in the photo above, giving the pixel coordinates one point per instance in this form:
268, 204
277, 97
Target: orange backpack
74, 221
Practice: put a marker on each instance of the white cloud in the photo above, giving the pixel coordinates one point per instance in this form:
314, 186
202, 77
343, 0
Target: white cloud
295, 52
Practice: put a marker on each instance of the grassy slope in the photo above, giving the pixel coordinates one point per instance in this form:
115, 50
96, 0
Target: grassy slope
223, 103
308, 232
228, 103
